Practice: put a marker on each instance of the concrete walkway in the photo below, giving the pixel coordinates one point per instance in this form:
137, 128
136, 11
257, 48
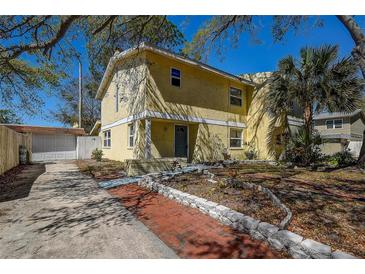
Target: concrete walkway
67, 216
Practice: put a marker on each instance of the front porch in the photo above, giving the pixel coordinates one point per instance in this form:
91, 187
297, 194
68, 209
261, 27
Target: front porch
158, 139
169, 139
162, 145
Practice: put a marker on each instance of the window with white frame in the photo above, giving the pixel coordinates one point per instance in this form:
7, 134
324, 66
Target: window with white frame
131, 130
235, 96
175, 77
107, 138
235, 138
336, 123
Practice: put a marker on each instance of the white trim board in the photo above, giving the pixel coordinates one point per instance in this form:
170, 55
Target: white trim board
176, 117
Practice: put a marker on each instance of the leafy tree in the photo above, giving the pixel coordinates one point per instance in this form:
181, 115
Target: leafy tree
8, 116
27, 44
213, 34
35, 51
123, 32
67, 112
216, 31
318, 82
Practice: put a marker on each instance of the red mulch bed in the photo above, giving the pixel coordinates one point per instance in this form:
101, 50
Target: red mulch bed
190, 233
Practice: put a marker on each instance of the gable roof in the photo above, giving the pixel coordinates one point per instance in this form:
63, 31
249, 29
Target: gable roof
329, 115
108, 74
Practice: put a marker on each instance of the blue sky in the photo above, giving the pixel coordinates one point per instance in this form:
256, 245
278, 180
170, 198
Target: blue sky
247, 57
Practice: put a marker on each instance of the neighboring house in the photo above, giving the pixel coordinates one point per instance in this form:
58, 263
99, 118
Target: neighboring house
341, 130
158, 104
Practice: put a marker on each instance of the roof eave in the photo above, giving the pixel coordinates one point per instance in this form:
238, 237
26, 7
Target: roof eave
117, 57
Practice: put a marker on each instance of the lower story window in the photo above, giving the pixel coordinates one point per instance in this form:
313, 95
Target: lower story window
131, 131
235, 138
107, 138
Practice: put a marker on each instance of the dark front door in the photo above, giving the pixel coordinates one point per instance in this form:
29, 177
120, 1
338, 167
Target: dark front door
181, 141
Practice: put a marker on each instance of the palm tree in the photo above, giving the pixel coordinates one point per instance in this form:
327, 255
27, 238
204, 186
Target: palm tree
317, 82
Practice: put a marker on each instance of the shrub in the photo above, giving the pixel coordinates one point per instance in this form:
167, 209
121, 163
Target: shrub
297, 152
342, 159
97, 154
251, 153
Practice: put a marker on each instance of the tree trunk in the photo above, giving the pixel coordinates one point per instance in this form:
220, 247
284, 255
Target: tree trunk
359, 55
361, 160
308, 121
359, 38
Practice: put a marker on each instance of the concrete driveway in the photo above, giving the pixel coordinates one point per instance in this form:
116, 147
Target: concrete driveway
66, 215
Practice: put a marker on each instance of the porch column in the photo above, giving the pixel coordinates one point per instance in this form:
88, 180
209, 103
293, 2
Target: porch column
147, 148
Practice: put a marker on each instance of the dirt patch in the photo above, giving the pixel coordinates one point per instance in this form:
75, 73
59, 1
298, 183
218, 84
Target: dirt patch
247, 201
328, 207
17, 182
102, 171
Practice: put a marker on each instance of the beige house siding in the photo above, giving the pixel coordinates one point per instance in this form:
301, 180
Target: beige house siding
320, 125
357, 126
331, 148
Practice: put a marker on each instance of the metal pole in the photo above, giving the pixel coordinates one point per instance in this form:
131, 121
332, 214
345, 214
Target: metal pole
80, 92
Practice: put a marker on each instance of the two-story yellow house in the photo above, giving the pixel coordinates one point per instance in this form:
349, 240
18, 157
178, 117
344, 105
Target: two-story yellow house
158, 104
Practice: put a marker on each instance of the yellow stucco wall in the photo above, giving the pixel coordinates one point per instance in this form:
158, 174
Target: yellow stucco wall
129, 80
258, 120
118, 150
202, 94
205, 142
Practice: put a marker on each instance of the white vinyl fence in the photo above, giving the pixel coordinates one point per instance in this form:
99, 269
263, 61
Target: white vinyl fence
355, 147
86, 145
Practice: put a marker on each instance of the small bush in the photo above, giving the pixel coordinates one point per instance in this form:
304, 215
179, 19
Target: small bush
298, 153
342, 159
251, 153
97, 154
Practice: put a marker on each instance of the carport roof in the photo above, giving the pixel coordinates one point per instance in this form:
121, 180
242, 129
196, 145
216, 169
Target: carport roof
45, 130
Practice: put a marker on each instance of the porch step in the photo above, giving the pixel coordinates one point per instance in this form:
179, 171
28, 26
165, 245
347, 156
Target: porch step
140, 167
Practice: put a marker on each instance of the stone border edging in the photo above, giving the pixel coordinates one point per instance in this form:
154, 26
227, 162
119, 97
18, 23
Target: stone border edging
278, 239
274, 199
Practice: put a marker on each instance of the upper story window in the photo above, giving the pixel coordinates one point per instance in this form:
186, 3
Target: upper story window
175, 77
336, 123
131, 131
107, 138
235, 96
235, 138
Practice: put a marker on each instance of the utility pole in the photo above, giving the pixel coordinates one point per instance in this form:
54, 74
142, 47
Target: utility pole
80, 91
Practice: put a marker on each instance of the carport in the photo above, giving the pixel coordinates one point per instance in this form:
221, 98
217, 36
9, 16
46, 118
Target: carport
51, 143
